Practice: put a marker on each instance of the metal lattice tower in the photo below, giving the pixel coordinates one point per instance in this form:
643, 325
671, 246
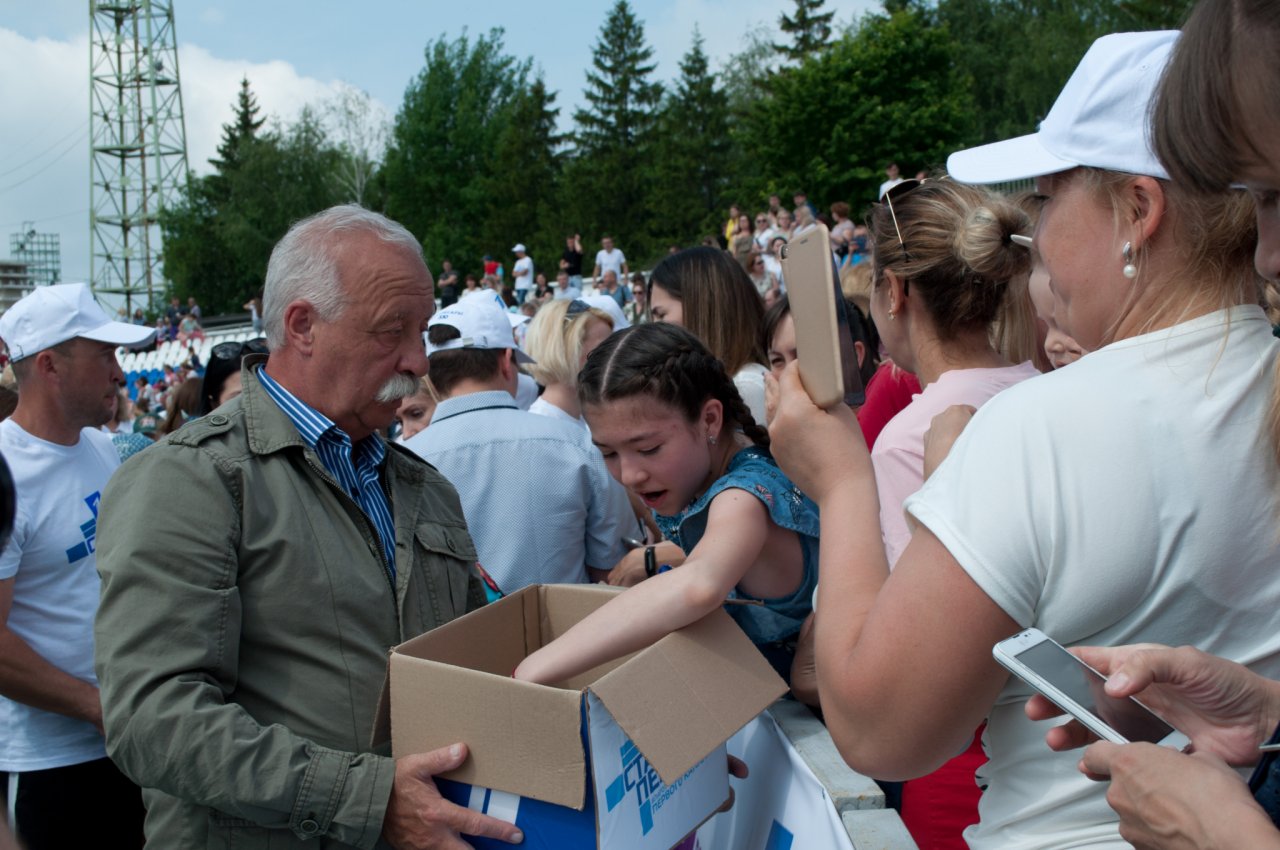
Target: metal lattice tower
42, 253
139, 143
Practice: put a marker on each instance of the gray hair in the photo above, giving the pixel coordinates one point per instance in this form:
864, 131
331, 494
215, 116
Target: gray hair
303, 265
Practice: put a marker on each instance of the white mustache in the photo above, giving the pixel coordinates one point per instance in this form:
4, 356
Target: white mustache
398, 387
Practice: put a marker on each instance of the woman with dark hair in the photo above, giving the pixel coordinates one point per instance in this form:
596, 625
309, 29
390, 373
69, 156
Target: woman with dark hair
707, 292
184, 404
744, 240
673, 428
221, 381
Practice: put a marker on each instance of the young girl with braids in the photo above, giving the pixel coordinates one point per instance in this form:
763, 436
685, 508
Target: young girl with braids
674, 430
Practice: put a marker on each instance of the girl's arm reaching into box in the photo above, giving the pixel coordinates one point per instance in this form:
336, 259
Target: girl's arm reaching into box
738, 529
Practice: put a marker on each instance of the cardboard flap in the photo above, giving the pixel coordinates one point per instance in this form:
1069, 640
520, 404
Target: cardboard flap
563, 605
689, 692
525, 739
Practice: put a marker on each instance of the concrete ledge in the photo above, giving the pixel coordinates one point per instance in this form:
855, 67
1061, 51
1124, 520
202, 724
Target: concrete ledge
877, 830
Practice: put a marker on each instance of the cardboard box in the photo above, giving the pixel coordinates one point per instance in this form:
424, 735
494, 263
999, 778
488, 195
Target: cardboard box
628, 755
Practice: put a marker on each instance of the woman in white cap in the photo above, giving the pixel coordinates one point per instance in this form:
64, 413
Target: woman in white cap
1214, 125
1130, 497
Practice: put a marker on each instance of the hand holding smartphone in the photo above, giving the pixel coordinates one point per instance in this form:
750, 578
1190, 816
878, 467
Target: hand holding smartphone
1077, 689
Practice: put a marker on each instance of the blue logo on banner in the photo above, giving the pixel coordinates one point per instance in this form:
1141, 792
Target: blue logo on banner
88, 530
779, 838
636, 775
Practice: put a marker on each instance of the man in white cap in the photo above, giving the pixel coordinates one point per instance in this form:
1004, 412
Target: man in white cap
522, 272
539, 502
63, 348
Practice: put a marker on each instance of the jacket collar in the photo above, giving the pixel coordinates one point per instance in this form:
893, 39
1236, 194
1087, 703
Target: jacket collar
270, 430
268, 427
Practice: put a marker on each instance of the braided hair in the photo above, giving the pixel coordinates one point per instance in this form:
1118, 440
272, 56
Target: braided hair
670, 364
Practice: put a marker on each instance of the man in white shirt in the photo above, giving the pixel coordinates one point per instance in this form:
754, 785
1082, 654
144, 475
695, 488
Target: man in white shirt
609, 259
522, 272
895, 177
65, 791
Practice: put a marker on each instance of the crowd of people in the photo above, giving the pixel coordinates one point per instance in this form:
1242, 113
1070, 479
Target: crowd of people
1071, 422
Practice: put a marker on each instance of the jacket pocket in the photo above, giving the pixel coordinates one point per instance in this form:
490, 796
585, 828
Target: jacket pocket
446, 558
231, 833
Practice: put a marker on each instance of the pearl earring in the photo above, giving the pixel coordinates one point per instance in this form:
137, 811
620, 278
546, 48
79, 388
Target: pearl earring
1130, 270
711, 440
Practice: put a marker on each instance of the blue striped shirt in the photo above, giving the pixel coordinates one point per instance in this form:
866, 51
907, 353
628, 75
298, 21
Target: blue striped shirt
354, 467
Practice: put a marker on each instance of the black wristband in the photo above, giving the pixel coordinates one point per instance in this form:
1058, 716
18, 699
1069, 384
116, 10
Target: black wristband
650, 562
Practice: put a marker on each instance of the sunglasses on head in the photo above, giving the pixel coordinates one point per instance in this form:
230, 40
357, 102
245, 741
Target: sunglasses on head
898, 191
576, 308
237, 350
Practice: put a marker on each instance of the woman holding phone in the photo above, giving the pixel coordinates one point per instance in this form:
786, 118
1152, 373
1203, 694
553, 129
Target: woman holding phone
1211, 132
1130, 497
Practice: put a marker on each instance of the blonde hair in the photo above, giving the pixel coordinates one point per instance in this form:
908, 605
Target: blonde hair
855, 284
1014, 332
955, 250
556, 344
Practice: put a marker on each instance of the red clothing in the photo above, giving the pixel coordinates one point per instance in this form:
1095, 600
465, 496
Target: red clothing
889, 390
491, 267
937, 808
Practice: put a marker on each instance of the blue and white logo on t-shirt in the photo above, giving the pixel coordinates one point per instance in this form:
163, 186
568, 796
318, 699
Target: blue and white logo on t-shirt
88, 529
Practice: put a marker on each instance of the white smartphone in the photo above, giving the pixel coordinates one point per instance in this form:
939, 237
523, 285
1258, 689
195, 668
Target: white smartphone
1077, 689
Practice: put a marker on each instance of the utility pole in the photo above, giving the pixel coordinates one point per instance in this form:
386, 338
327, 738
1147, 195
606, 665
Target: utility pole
138, 141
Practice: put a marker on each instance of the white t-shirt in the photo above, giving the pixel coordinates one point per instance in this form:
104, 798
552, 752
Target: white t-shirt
53, 563
542, 407
526, 391
523, 272
611, 261
887, 185
1129, 497
898, 456
750, 383
762, 239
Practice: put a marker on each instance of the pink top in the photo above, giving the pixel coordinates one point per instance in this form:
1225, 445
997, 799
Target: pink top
898, 456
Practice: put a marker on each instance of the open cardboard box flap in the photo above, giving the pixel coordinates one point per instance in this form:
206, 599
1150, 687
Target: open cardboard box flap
676, 700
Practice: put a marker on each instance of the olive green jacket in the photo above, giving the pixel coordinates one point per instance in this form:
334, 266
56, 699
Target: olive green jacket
245, 620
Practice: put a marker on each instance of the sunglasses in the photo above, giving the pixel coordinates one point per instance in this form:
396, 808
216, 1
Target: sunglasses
576, 308
236, 350
898, 191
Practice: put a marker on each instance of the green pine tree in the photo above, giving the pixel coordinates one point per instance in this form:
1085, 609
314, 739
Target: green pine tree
523, 174
692, 153
245, 125
606, 177
437, 166
809, 28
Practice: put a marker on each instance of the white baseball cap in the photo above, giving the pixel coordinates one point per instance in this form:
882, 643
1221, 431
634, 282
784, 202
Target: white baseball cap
607, 304
1099, 119
482, 324
54, 314
519, 249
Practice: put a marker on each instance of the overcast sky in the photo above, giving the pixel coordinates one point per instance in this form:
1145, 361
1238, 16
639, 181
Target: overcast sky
294, 52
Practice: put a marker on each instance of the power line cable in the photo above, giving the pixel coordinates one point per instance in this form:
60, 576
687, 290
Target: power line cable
44, 152
68, 149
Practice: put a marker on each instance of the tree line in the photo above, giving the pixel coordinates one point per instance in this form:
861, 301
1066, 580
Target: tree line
473, 162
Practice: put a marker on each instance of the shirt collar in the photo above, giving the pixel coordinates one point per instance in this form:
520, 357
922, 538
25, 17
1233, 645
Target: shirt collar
313, 426
473, 401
